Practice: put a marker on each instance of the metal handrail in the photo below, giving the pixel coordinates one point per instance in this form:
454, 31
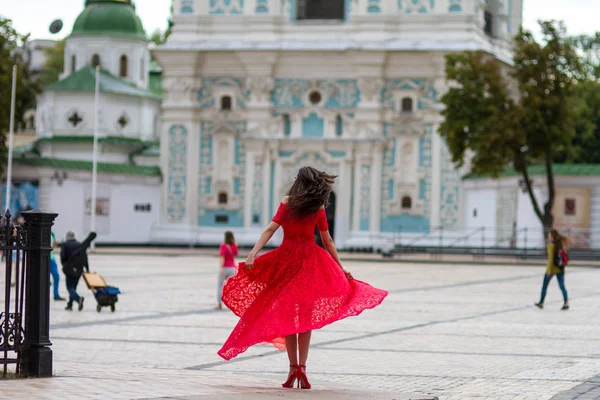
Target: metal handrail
465, 237
423, 236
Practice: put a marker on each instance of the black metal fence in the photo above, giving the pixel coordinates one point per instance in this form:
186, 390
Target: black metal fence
13, 244
25, 312
482, 242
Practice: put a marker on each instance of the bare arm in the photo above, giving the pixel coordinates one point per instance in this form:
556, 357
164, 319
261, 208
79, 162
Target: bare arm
222, 261
264, 239
330, 247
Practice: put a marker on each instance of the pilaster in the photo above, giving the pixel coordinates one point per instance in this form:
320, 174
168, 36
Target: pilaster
266, 211
376, 175
436, 177
248, 191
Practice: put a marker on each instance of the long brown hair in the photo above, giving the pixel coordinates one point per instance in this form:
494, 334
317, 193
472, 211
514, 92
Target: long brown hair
229, 239
310, 191
560, 242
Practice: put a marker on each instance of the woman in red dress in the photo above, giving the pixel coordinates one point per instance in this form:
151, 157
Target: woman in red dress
286, 293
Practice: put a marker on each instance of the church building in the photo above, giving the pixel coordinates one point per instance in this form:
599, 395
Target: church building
255, 89
55, 172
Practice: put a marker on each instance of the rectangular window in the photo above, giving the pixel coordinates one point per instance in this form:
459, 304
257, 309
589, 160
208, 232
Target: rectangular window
488, 26
570, 207
102, 207
222, 219
320, 9
256, 219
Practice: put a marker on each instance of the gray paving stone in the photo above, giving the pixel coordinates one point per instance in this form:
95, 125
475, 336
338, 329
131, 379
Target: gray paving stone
452, 332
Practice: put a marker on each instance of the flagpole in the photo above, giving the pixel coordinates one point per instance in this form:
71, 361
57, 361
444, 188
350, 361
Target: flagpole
11, 134
95, 153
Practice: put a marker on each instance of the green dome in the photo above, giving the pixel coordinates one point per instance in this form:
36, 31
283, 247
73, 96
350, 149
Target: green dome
109, 18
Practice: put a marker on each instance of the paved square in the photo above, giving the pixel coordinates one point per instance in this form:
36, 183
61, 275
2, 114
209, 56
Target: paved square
451, 331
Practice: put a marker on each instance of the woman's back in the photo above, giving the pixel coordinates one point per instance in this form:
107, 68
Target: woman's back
299, 228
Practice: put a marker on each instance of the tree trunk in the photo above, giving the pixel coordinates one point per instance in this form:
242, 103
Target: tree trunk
548, 220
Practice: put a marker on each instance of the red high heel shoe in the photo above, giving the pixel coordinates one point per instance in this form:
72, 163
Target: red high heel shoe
291, 377
302, 378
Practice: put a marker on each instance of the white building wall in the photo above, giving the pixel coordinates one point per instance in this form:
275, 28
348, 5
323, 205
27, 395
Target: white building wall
595, 215
122, 225
110, 51
140, 114
529, 227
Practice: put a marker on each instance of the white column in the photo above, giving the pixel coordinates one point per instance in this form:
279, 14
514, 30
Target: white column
356, 206
275, 7
344, 195
193, 166
249, 7
201, 7
391, 6
44, 199
376, 172
441, 6
248, 192
277, 181
436, 177
266, 212
359, 7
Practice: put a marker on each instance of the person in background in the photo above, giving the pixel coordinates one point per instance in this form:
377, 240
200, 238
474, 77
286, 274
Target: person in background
557, 242
73, 257
54, 268
227, 251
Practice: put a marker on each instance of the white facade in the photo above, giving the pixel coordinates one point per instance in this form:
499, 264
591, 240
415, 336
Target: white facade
120, 221
59, 164
506, 212
80, 51
56, 110
252, 93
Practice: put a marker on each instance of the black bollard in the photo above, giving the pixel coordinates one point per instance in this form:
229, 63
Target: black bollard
36, 359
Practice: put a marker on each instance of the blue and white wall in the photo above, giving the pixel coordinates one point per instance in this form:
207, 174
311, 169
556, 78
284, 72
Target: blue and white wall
296, 102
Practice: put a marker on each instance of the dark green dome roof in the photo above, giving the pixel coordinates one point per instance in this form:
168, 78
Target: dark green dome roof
109, 18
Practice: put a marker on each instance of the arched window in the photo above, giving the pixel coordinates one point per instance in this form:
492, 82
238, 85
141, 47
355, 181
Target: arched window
287, 125
223, 198
339, 126
406, 203
407, 105
96, 60
73, 63
123, 67
226, 103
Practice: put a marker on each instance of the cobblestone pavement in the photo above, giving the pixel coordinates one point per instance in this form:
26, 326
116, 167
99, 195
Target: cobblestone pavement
446, 331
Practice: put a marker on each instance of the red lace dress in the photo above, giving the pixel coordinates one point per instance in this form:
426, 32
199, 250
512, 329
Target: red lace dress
296, 288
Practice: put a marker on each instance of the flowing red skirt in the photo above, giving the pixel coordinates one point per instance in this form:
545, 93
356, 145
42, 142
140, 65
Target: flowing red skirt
293, 289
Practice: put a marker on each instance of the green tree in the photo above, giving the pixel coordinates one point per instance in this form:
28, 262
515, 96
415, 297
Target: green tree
498, 116
585, 146
589, 45
11, 45
55, 63
159, 37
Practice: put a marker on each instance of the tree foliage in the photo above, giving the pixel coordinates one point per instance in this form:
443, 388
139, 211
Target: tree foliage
159, 37
585, 145
11, 45
55, 63
500, 116
589, 45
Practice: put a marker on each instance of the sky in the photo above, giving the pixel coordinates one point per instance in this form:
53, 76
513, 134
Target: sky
35, 16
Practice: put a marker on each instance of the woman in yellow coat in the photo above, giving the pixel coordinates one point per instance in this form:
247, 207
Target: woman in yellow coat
557, 243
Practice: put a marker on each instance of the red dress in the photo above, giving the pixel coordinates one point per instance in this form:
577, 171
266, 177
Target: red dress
296, 288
